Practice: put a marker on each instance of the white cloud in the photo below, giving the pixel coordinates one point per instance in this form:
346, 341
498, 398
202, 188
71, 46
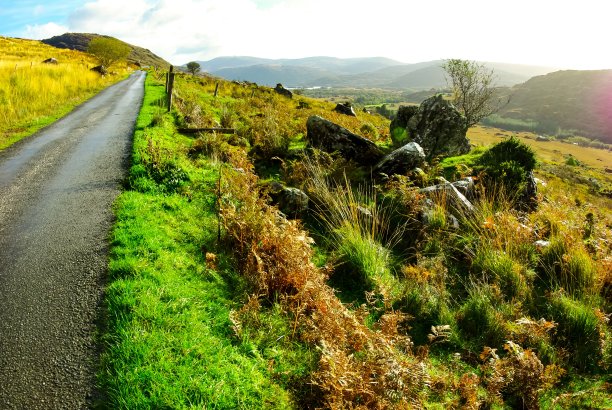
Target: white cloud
42, 31
562, 33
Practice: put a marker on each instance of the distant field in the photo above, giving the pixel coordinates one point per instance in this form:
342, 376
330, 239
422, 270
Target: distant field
551, 151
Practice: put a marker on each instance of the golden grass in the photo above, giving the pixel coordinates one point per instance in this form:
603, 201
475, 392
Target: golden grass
33, 94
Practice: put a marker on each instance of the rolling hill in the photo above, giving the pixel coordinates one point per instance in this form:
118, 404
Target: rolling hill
566, 100
80, 41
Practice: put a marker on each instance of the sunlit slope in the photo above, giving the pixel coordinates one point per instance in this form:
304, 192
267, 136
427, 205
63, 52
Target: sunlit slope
33, 94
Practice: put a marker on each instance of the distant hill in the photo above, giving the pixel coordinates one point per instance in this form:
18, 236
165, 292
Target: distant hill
566, 100
80, 41
375, 72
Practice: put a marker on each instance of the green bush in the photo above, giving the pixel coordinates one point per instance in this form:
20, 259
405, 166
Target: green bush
507, 164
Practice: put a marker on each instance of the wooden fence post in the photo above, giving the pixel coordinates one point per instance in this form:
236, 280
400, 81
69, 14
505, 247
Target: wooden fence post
216, 89
171, 70
170, 89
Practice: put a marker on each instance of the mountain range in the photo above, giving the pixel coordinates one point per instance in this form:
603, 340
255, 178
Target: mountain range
375, 72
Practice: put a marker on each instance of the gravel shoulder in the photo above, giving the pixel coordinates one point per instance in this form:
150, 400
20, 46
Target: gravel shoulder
56, 192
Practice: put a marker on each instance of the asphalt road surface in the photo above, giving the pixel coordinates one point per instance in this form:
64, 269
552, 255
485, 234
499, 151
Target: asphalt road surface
56, 192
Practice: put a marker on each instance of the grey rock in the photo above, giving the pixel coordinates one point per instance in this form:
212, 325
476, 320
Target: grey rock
466, 186
100, 69
455, 200
283, 91
402, 160
346, 109
293, 202
437, 127
330, 137
50, 61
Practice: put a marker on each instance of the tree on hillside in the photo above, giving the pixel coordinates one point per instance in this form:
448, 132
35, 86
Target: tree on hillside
473, 89
193, 67
108, 50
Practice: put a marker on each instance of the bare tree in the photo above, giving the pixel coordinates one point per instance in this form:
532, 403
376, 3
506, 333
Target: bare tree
473, 87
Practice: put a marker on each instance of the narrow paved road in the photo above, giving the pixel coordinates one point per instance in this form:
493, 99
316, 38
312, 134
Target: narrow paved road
56, 192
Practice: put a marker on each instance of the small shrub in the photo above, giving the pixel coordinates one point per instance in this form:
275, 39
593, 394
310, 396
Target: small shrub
508, 164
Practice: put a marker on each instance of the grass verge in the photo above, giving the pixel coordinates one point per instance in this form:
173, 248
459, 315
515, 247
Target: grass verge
168, 340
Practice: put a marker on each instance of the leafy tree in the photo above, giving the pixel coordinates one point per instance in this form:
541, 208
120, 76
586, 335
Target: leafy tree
473, 89
108, 50
193, 67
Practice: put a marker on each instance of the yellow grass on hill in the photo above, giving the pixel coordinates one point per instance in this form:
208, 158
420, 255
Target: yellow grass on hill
33, 94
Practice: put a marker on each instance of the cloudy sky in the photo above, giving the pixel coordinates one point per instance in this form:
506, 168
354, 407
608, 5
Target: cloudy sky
557, 33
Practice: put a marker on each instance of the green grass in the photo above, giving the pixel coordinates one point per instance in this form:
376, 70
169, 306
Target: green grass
169, 341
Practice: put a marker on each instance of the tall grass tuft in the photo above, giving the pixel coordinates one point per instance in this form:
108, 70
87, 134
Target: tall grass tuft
568, 267
578, 330
360, 228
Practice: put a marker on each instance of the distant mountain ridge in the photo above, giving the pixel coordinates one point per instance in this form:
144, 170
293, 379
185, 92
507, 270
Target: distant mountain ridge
375, 72
80, 41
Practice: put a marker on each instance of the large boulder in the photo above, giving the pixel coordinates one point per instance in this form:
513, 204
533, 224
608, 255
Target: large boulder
346, 109
401, 160
283, 91
439, 128
331, 137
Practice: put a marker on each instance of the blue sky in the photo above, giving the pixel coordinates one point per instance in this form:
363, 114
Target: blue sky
555, 33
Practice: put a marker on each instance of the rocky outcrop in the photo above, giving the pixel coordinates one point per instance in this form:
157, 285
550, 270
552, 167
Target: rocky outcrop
330, 137
436, 126
283, 91
401, 160
346, 109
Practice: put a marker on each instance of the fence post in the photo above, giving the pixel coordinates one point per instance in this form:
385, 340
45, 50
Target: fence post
168, 77
170, 89
216, 89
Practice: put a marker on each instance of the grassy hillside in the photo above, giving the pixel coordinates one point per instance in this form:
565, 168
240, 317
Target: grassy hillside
33, 94
80, 41
216, 300
563, 101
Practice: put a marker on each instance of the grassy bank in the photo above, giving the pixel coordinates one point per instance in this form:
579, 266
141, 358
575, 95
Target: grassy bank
34, 94
171, 291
